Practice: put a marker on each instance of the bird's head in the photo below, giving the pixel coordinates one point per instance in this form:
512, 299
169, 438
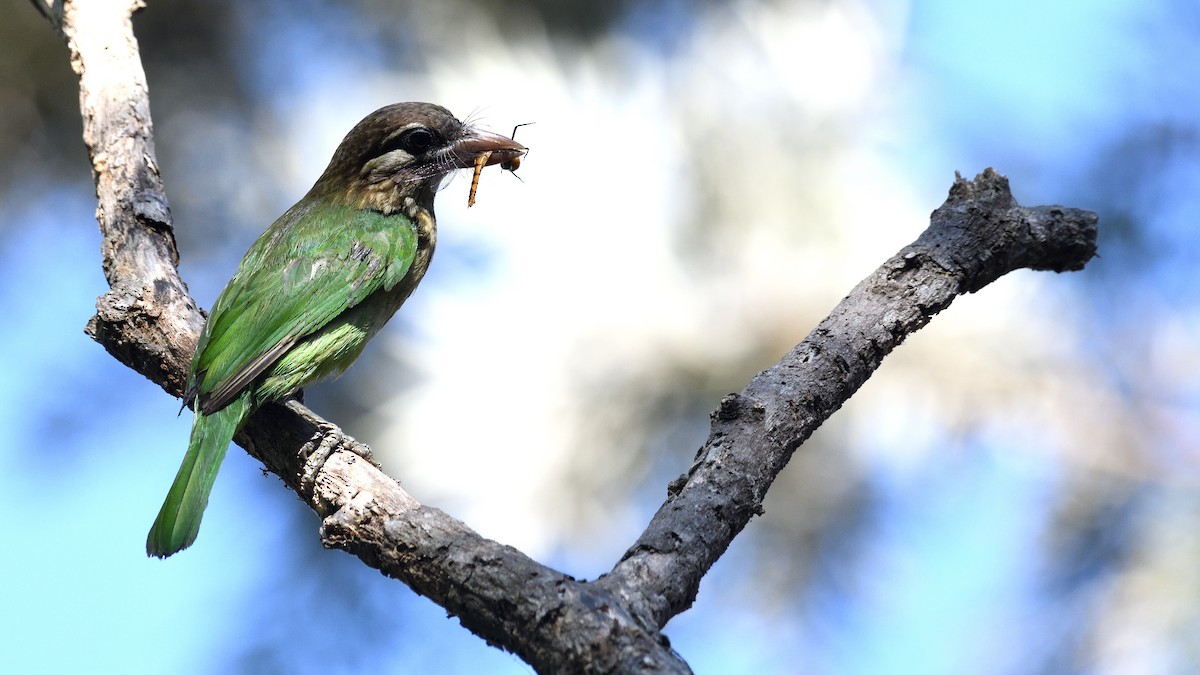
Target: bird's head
403, 151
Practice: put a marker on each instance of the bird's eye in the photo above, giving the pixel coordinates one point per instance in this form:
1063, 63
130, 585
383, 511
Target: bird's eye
417, 141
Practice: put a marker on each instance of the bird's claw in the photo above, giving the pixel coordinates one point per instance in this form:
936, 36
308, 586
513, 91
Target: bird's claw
327, 440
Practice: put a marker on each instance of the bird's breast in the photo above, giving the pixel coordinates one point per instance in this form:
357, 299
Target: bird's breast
426, 228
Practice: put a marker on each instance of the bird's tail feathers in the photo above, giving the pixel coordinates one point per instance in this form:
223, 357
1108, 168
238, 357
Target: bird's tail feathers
178, 521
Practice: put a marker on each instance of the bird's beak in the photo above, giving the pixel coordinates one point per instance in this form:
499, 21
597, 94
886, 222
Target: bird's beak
475, 142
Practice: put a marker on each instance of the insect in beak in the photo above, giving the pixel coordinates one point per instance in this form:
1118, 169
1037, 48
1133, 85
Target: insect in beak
481, 161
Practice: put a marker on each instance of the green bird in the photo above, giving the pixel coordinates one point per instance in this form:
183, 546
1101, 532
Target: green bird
318, 284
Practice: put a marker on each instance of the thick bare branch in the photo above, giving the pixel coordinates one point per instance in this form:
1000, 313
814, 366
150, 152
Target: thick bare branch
556, 623
978, 235
146, 320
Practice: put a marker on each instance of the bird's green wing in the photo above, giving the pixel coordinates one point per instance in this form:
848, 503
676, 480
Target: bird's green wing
312, 264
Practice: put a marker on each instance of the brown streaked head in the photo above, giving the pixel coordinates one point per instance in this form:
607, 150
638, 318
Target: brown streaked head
405, 150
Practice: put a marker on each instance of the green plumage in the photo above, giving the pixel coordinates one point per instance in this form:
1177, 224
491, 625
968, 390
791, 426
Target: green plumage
178, 521
304, 302
316, 286
316, 262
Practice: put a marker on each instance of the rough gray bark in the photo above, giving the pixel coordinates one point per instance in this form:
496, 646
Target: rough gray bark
976, 236
554, 622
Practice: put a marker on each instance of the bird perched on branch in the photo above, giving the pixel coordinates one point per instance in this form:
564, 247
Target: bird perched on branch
318, 284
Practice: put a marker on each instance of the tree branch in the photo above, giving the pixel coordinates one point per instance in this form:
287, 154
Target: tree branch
148, 321
978, 235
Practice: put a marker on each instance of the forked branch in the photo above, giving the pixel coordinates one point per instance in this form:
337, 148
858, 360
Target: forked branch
148, 321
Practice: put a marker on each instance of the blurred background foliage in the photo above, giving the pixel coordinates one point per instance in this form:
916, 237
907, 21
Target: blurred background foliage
1014, 492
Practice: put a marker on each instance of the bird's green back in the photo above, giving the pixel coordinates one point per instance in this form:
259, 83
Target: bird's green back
316, 261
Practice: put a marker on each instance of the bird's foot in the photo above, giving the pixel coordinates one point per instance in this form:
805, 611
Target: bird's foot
326, 440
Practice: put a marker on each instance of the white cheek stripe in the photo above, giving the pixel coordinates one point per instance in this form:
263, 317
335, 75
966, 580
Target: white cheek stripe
387, 162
